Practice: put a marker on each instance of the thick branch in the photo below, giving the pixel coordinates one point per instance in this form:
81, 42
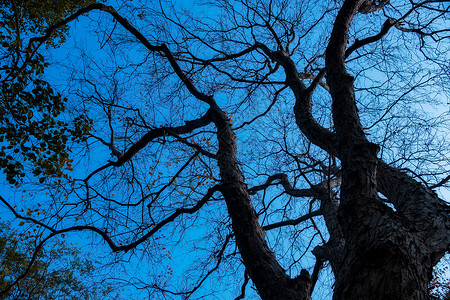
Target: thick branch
102, 233
319, 191
161, 132
31, 49
388, 24
283, 180
269, 277
292, 222
316, 133
345, 113
422, 207
107, 238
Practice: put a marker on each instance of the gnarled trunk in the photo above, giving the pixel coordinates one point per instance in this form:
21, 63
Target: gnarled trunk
266, 273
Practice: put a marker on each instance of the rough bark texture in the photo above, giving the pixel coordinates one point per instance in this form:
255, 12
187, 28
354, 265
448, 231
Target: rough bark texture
268, 276
375, 252
384, 257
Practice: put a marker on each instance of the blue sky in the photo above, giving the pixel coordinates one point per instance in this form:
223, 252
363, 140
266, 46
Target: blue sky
82, 40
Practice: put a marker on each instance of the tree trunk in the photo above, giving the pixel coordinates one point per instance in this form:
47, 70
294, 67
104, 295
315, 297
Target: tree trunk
382, 271
386, 256
269, 277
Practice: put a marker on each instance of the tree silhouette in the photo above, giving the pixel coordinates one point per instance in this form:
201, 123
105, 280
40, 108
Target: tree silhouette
269, 139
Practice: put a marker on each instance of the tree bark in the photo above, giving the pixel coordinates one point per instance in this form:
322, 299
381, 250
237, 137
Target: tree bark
383, 253
384, 256
269, 277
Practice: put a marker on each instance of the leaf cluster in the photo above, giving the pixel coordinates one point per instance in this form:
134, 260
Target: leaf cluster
57, 273
32, 121
34, 17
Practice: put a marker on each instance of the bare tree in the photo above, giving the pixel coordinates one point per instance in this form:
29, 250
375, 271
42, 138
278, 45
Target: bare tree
269, 139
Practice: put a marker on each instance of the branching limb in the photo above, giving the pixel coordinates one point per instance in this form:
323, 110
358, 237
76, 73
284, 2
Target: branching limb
283, 180
441, 183
345, 113
100, 232
316, 133
161, 132
314, 191
388, 24
294, 221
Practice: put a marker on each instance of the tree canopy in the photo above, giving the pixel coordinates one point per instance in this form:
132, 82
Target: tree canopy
295, 147
58, 273
31, 126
